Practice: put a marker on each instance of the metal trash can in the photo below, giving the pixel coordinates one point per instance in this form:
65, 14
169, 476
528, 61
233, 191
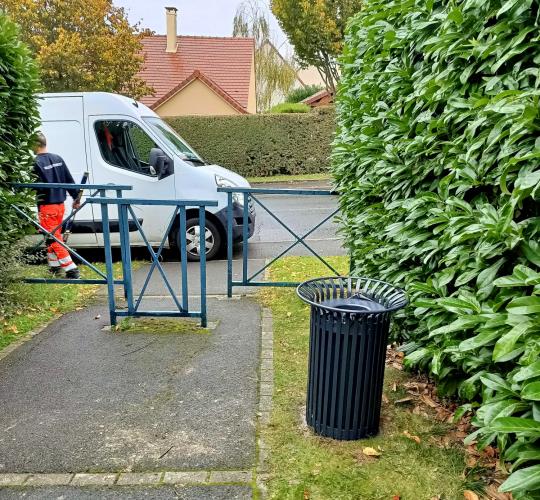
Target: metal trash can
350, 322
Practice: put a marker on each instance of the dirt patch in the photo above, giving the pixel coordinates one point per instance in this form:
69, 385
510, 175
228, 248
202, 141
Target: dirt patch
162, 326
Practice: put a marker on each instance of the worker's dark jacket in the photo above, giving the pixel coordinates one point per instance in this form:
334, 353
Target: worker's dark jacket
51, 168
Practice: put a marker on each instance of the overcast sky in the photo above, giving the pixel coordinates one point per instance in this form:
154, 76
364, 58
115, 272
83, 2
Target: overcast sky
195, 17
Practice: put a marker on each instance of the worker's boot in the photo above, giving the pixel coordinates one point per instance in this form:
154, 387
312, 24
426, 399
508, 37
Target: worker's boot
55, 271
73, 274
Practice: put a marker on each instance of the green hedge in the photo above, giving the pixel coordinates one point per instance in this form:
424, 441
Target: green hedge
18, 121
262, 145
437, 161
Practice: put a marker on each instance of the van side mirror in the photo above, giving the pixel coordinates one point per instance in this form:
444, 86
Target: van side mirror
160, 164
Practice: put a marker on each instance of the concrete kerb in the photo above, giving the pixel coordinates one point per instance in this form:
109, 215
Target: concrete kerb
200, 477
266, 390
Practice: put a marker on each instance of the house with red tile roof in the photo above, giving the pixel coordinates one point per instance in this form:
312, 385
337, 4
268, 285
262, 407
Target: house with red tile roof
322, 98
194, 75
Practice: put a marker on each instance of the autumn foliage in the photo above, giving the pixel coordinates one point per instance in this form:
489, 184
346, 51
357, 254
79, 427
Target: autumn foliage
81, 45
316, 29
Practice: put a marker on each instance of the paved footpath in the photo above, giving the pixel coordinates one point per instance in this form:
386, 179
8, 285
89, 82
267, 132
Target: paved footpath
87, 413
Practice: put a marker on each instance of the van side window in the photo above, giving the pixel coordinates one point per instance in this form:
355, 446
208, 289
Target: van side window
125, 145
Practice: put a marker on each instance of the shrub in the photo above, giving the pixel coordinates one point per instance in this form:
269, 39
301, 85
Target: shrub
437, 162
18, 121
262, 145
291, 107
298, 95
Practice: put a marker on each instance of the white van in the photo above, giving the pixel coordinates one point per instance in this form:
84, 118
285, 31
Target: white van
121, 141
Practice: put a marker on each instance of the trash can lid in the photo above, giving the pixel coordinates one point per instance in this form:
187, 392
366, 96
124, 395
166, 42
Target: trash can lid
353, 295
354, 304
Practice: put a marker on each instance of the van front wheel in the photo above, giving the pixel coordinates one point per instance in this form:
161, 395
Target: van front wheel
195, 239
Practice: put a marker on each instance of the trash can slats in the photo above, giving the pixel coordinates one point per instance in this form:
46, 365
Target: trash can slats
350, 322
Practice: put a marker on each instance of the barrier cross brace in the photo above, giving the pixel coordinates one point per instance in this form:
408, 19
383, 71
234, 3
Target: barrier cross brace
252, 193
125, 210
98, 189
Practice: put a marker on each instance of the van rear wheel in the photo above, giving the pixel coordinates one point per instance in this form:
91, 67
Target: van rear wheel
194, 237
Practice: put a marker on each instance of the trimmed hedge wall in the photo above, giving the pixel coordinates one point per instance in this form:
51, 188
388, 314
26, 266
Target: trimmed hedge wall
437, 162
262, 145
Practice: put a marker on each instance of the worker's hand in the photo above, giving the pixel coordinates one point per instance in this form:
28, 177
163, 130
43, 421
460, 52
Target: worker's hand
76, 204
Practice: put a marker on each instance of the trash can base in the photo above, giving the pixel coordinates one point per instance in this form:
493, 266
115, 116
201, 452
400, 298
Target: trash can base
343, 434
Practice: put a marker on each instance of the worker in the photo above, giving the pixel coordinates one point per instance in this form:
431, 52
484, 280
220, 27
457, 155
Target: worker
51, 168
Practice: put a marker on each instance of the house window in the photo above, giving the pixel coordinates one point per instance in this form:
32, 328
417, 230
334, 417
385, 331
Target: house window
124, 144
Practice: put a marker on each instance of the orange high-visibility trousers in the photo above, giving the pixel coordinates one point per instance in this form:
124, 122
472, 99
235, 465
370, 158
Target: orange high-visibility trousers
50, 217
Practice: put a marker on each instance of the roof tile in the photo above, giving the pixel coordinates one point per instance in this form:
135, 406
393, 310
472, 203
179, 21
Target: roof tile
225, 62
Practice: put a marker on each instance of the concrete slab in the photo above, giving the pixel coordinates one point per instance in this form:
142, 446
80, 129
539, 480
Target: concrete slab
80, 399
131, 493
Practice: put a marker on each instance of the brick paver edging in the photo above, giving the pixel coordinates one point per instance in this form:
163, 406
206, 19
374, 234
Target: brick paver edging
209, 477
266, 391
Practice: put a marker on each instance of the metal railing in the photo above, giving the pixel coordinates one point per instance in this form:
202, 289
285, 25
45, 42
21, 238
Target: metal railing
125, 211
95, 190
249, 198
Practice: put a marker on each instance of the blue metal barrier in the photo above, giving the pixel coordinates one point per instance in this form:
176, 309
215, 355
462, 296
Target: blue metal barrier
125, 210
250, 195
98, 190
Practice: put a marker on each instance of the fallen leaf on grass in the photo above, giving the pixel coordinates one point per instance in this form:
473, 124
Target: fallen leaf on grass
371, 452
385, 399
396, 497
394, 387
492, 492
306, 495
416, 439
470, 495
404, 400
489, 451
471, 450
460, 435
13, 329
415, 386
440, 442
427, 400
289, 314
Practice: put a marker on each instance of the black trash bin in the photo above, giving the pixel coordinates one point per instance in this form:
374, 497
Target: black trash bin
350, 322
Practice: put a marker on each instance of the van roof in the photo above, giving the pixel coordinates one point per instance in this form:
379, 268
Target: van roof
105, 103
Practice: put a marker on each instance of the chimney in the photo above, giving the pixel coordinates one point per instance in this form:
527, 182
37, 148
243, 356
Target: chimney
171, 29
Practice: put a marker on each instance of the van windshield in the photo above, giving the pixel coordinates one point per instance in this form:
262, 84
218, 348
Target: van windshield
171, 138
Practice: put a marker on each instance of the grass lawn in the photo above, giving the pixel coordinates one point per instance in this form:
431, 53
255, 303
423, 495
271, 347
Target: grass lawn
289, 178
411, 466
36, 304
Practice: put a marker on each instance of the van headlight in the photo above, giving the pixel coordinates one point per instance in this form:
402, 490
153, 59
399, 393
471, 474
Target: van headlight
226, 183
